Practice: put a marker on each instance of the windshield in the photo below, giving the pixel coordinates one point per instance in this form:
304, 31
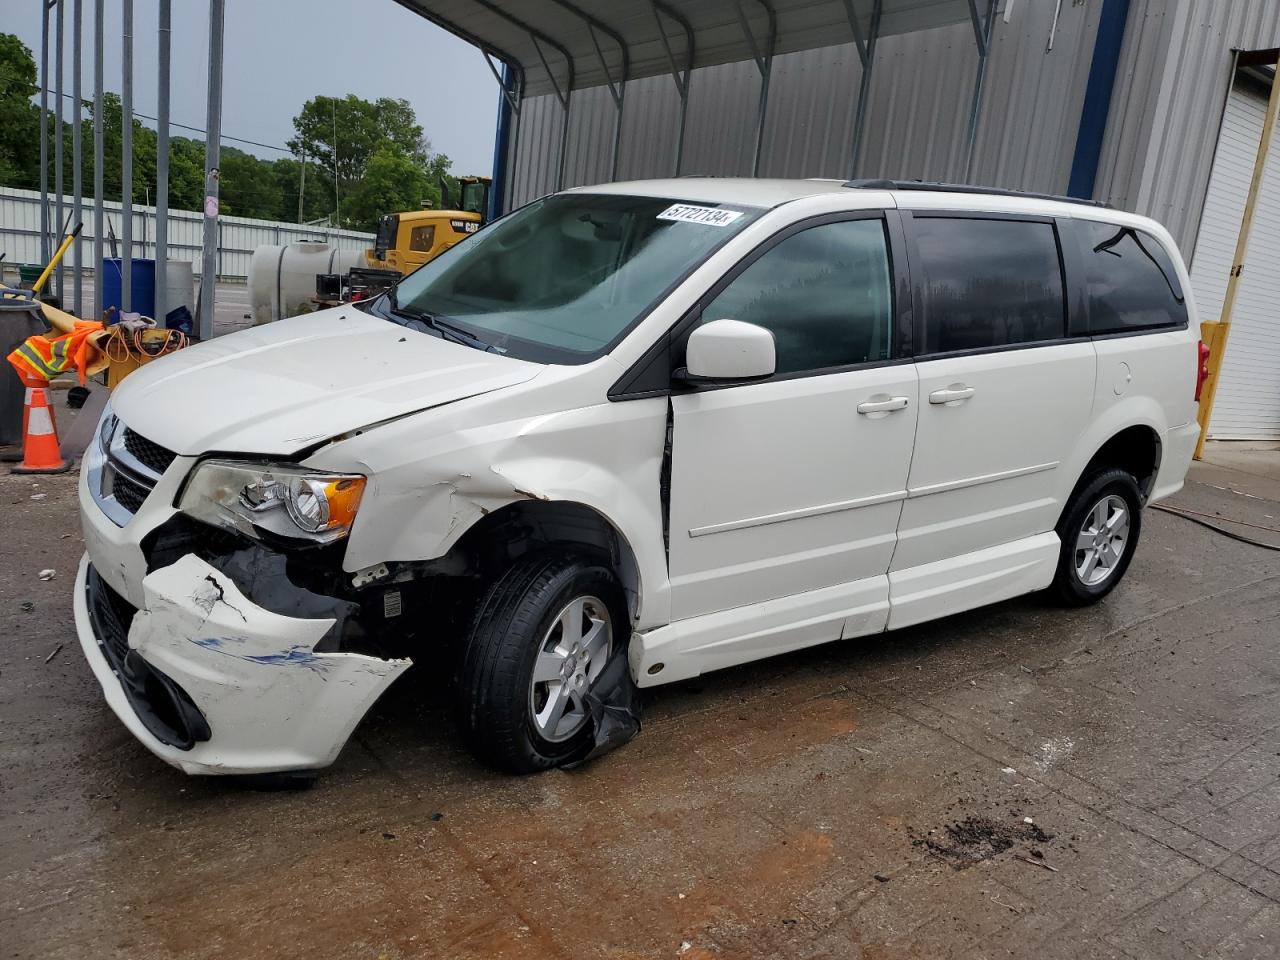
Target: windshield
562, 279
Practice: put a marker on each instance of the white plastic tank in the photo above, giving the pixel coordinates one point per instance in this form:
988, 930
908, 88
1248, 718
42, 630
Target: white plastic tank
282, 279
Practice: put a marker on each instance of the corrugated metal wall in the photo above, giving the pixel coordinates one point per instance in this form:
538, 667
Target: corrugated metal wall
1175, 71
238, 236
1171, 85
916, 124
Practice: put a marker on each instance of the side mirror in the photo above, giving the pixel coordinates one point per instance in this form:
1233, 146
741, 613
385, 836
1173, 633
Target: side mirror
728, 350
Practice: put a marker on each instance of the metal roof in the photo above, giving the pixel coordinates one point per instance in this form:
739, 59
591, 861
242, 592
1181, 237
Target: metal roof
563, 45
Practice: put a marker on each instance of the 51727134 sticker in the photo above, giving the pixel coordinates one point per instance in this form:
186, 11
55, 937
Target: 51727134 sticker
710, 216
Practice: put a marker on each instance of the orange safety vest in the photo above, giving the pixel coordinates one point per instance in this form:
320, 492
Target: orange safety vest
44, 358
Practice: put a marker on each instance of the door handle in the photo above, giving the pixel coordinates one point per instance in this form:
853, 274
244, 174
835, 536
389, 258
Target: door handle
883, 406
952, 394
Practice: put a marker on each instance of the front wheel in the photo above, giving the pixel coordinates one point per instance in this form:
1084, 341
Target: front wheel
540, 640
1099, 532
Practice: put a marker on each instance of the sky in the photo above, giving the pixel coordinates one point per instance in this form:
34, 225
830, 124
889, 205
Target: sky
280, 53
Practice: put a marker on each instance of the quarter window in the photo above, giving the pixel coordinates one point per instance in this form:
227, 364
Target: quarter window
1132, 282
988, 283
824, 292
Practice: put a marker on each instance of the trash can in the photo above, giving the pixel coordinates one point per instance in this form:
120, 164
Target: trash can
17, 322
144, 285
29, 273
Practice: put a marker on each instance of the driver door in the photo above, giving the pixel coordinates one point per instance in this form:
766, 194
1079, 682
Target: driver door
786, 493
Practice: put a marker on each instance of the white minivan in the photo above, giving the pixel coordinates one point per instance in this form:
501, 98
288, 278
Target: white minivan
623, 436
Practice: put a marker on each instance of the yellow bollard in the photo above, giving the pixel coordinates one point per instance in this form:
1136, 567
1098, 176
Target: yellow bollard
1213, 333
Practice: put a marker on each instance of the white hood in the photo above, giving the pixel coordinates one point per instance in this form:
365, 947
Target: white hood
279, 388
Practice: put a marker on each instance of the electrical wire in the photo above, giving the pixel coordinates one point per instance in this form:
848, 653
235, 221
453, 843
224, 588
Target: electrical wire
181, 126
1217, 529
1214, 516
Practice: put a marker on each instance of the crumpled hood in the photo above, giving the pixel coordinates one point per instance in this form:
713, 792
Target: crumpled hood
279, 388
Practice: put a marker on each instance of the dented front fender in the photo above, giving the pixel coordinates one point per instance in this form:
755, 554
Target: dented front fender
433, 477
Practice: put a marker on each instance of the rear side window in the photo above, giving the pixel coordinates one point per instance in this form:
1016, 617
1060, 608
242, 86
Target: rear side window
988, 283
423, 239
1132, 282
824, 292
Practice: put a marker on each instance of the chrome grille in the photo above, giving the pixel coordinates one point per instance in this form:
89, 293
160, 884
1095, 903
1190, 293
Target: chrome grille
149, 454
129, 493
124, 467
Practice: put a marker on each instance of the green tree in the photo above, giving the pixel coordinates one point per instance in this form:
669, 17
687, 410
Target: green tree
392, 180
346, 135
318, 187
144, 153
247, 186
19, 117
186, 173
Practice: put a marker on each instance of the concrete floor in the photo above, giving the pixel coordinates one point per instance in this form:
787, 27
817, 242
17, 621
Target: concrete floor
796, 808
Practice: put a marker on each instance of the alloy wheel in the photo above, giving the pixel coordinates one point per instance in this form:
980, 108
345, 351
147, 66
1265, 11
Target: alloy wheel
572, 654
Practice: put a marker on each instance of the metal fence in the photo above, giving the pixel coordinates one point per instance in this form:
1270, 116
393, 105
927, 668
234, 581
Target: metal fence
238, 237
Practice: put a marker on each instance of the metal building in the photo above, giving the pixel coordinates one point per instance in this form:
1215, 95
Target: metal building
1154, 106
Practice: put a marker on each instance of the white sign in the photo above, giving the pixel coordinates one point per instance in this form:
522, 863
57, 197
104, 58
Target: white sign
688, 213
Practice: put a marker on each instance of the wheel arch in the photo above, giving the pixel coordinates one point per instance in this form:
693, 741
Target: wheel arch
1136, 449
502, 536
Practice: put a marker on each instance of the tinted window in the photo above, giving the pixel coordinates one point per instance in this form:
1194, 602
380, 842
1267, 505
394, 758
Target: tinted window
824, 292
1132, 282
988, 283
422, 238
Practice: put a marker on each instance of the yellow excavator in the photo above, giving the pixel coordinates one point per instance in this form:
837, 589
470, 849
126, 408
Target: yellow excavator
405, 241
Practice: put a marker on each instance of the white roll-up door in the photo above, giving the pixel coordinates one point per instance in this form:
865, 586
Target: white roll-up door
1247, 406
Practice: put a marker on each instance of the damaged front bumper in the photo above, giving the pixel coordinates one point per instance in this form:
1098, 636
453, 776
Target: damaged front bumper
215, 684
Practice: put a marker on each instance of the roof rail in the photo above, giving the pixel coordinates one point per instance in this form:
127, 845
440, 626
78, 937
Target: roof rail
965, 188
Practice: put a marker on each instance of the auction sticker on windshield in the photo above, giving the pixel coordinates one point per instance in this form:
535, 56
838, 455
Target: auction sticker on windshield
712, 216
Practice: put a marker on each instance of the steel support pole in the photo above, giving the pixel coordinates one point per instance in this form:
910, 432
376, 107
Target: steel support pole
563, 97
99, 305
617, 91
763, 58
1215, 334
509, 199
44, 131
681, 79
982, 35
162, 163
618, 103
77, 147
126, 160
213, 142
867, 55
59, 133
512, 92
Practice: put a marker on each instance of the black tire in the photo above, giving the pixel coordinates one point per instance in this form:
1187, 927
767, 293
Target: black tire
1068, 587
513, 618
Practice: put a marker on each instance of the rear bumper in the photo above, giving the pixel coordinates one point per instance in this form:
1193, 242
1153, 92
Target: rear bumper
199, 650
1175, 460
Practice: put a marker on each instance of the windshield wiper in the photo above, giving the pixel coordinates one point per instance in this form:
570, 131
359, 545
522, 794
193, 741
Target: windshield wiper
447, 330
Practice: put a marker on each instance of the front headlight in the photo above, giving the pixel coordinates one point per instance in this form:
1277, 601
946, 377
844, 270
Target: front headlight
287, 501
106, 427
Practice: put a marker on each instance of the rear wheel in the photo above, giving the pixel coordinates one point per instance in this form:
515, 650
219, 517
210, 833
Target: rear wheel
540, 640
1099, 531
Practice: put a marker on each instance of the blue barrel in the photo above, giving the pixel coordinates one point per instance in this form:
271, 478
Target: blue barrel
143, 294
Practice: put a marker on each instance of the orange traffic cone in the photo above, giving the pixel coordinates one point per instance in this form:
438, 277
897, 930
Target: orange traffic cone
40, 452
